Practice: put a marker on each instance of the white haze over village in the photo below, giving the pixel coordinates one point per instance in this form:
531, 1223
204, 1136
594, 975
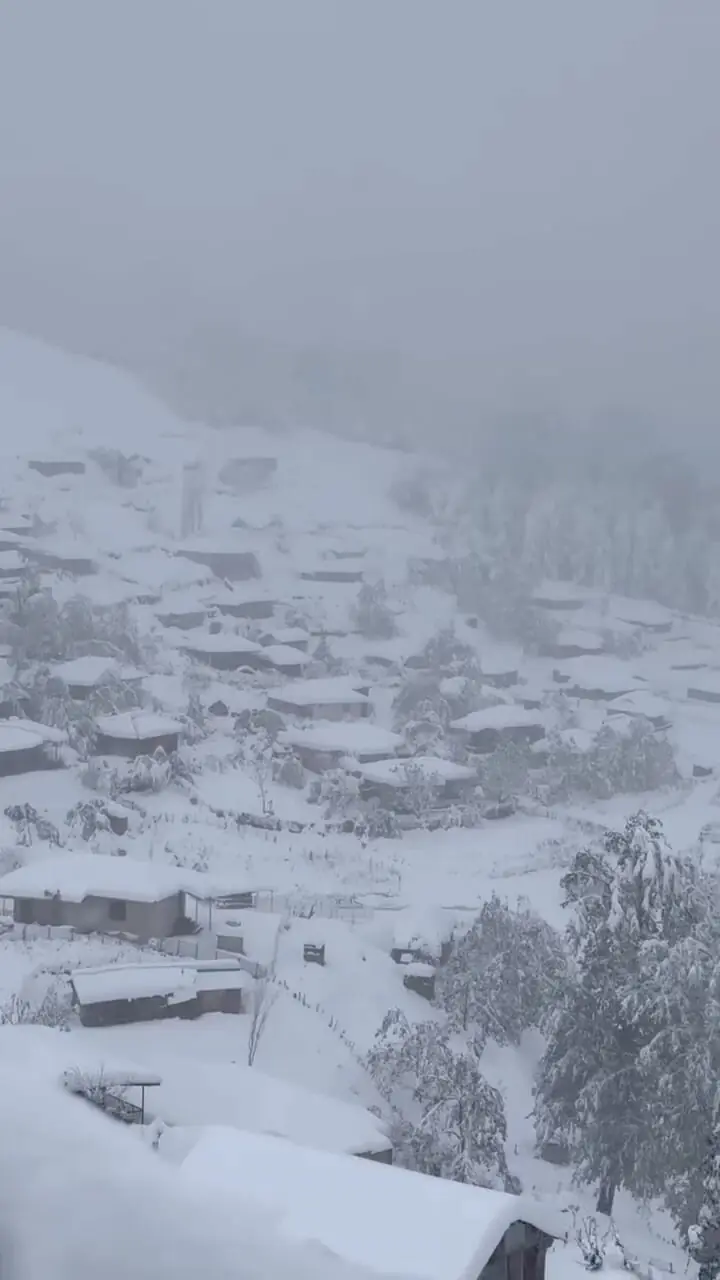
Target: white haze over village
359, 640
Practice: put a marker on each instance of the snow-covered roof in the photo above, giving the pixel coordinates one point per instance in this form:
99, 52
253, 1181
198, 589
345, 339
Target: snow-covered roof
10, 560
642, 704
200, 1093
705, 682
643, 613
177, 980
377, 1216
398, 773
15, 738
51, 1054
504, 716
81, 1195
47, 732
283, 655
578, 639
313, 693
90, 671
137, 725
221, 642
356, 738
287, 635
76, 876
608, 674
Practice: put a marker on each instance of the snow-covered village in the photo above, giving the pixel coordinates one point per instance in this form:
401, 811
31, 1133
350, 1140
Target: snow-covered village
359, 641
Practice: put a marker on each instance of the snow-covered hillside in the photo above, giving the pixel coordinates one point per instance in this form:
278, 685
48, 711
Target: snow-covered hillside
266, 617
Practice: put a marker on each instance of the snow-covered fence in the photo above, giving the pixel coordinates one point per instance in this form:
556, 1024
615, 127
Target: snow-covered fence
325, 906
57, 933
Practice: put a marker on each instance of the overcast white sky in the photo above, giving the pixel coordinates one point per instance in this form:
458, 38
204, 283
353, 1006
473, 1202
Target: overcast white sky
528, 189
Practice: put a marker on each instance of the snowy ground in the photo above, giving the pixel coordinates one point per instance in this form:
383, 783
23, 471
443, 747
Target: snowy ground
358, 900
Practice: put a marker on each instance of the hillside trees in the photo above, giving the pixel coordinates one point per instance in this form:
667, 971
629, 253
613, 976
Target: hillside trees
704, 1235
449, 1121
634, 904
503, 975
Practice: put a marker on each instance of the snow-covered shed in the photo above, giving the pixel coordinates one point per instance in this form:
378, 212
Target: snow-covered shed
194, 1094
333, 698
321, 746
598, 679
492, 727
136, 733
389, 780
386, 1219
118, 993
94, 893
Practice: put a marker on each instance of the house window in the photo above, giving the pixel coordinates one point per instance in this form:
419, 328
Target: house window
24, 913
118, 910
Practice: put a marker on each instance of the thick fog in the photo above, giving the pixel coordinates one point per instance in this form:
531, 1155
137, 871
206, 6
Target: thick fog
479, 209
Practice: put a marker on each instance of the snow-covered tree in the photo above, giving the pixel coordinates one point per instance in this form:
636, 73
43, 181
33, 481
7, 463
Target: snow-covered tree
371, 613
503, 975
452, 1122
628, 898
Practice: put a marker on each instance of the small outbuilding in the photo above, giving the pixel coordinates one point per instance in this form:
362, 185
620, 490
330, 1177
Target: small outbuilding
256, 606
57, 466
136, 733
94, 893
120, 993
297, 637
334, 572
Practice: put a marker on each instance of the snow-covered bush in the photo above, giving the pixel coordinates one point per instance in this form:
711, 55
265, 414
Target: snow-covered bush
505, 773
450, 1122
503, 975
337, 790
31, 826
288, 771
151, 773
371, 613
48, 632
53, 1010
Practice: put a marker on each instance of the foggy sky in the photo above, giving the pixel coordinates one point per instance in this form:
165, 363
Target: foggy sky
525, 196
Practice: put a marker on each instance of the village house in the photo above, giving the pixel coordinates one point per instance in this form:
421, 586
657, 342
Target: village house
334, 698
283, 658
410, 1225
224, 651
326, 744
28, 747
136, 733
119, 993
225, 562
297, 637
94, 893
390, 781
484, 731
84, 675
257, 606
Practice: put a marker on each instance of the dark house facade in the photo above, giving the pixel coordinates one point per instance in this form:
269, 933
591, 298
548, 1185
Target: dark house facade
520, 1255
